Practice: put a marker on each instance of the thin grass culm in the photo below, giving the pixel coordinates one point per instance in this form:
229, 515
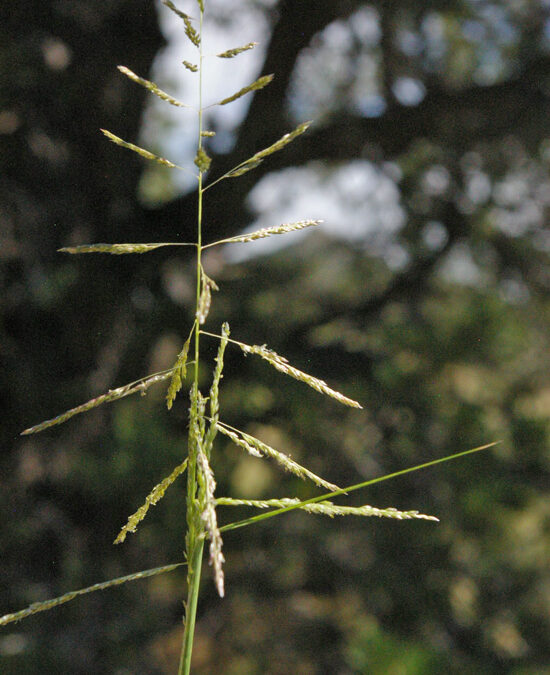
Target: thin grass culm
205, 421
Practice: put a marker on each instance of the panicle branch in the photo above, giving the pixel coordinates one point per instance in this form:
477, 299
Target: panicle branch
152, 87
326, 508
156, 494
112, 395
258, 448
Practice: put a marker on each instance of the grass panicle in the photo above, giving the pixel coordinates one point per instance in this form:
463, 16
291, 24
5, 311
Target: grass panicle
202, 160
156, 494
201, 503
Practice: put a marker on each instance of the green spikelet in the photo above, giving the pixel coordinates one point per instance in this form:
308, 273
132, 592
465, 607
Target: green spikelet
189, 30
208, 285
202, 160
179, 373
230, 53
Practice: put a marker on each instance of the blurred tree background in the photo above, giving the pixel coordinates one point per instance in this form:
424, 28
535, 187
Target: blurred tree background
425, 296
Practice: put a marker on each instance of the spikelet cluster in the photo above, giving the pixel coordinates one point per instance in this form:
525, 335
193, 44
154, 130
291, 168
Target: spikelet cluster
37, 607
210, 521
140, 386
266, 232
326, 508
118, 249
283, 366
140, 151
152, 87
207, 286
230, 53
258, 448
156, 494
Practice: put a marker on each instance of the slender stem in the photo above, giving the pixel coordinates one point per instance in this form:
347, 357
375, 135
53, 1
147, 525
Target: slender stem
194, 539
191, 611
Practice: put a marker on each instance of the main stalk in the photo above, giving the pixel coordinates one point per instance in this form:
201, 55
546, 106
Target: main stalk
195, 529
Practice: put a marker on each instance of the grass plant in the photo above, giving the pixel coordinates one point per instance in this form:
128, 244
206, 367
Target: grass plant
205, 421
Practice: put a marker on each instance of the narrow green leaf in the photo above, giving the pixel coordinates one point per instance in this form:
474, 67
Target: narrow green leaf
140, 151
230, 53
352, 488
260, 83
